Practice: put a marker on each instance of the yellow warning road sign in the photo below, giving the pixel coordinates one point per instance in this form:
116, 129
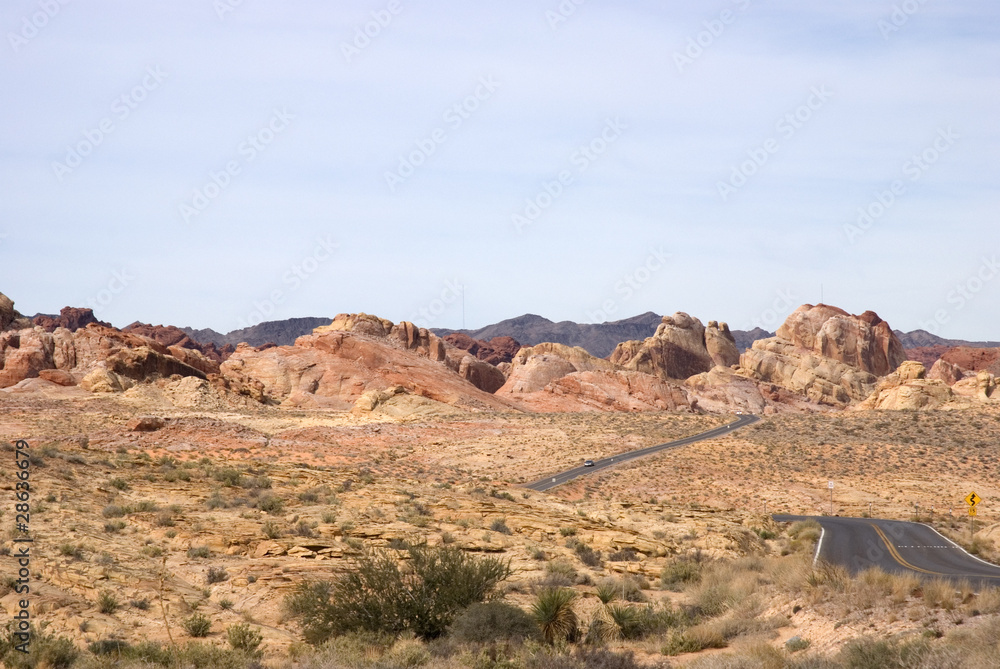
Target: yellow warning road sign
972, 499
972, 510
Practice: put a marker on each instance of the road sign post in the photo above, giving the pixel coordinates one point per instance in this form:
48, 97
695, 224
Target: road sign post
829, 484
972, 499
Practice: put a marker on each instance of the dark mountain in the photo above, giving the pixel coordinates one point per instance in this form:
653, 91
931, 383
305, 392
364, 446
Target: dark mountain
922, 338
745, 338
283, 333
596, 338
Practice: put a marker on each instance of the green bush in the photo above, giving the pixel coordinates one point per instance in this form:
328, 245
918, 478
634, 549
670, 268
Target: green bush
197, 625
678, 572
199, 552
377, 597
243, 638
107, 603
486, 622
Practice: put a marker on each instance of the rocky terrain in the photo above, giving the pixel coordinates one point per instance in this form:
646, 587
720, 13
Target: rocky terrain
213, 482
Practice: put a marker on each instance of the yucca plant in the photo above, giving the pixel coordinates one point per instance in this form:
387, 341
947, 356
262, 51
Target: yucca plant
607, 591
553, 611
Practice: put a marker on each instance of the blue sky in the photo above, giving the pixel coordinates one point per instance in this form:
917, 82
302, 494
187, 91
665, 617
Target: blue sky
214, 163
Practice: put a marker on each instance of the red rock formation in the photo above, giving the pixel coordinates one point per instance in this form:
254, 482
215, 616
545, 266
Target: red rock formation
333, 368
495, 351
71, 318
26, 353
169, 335
974, 359
927, 355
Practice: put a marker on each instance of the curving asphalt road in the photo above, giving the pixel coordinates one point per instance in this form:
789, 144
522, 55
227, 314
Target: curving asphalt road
558, 479
896, 547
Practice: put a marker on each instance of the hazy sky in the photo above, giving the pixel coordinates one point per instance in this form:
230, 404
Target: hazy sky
216, 163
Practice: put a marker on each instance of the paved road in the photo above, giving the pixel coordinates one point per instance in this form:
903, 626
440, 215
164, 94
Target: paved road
897, 547
558, 479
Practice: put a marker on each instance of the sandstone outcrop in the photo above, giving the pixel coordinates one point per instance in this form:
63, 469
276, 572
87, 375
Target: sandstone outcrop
534, 367
409, 337
10, 318
556, 377
721, 344
942, 370
335, 367
826, 354
908, 389
721, 390
604, 390
677, 350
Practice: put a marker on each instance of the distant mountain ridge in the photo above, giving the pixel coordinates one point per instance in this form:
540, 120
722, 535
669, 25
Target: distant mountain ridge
282, 333
922, 338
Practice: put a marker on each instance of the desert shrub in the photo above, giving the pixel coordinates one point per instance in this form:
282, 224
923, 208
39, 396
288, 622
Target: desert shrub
199, 552
626, 554
587, 555
270, 503
69, 550
553, 611
107, 603
119, 483
868, 653
500, 525
114, 526
558, 573
377, 597
679, 572
216, 575
229, 477
113, 511
44, 650
486, 622
115, 647
197, 625
243, 638
271, 530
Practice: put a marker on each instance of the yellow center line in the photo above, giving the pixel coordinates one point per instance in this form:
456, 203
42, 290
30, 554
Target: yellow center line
899, 558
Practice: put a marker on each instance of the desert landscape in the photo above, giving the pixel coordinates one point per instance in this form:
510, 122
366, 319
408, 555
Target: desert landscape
185, 497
